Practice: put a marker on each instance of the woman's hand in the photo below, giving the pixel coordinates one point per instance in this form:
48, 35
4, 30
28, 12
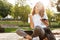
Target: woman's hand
45, 21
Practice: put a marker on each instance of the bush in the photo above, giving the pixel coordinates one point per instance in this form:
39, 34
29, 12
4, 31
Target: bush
24, 24
55, 25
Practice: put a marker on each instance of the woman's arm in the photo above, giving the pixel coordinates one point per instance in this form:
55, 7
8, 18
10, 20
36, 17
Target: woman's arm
31, 22
46, 22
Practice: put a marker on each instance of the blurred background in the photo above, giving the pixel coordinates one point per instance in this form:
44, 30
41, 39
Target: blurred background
14, 14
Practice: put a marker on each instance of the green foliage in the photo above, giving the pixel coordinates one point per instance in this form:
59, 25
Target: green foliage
25, 10
5, 8
50, 14
55, 24
10, 30
16, 11
24, 24
19, 23
57, 16
22, 12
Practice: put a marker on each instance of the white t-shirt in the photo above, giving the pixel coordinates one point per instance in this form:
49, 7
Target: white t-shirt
37, 22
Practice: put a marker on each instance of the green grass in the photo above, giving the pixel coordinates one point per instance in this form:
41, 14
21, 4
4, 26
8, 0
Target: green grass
10, 22
22, 25
18, 23
14, 29
23, 28
54, 28
10, 29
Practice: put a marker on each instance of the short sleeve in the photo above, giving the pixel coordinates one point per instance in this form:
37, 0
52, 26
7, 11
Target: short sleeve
45, 16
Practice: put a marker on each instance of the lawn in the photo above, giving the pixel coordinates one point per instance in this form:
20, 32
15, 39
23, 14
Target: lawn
23, 28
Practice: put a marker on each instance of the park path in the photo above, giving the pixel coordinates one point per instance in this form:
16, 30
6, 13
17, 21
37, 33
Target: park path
14, 36
9, 36
57, 33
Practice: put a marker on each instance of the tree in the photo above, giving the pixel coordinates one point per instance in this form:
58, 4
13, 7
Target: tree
4, 11
22, 10
16, 11
50, 14
57, 16
5, 8
24, 13
18, 5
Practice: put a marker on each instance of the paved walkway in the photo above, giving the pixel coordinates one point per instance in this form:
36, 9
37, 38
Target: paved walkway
57, 33
10, 36
14, 36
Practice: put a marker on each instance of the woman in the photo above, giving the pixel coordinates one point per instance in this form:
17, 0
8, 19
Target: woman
39, 22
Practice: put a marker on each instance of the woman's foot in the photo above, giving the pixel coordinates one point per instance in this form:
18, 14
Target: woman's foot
45, 39
28, 37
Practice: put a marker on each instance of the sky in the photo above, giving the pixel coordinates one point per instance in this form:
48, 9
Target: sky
11, 1
32, 2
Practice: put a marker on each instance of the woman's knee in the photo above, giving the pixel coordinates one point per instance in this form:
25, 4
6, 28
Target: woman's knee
39, 30
21, 33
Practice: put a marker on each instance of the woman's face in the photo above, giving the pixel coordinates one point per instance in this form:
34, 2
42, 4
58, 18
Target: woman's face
39, 9
36, 9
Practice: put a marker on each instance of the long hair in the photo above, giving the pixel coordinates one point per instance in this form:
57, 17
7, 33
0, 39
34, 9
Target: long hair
41, 8
33, 11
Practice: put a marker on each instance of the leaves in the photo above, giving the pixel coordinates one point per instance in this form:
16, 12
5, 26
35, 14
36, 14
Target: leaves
21, 11
5, 8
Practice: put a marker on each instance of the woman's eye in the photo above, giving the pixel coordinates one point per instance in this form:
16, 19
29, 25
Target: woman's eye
36, 7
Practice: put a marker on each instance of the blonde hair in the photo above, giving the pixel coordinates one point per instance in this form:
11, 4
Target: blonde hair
41, 7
